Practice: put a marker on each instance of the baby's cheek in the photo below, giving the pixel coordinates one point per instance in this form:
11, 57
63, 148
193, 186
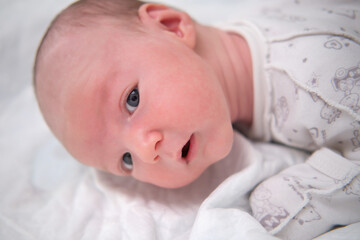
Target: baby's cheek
228, 142
222, 144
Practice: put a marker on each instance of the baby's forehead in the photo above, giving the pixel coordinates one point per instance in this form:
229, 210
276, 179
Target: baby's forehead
57, 64
69, 46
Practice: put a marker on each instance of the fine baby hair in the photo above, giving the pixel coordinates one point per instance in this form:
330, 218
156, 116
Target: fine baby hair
90, 13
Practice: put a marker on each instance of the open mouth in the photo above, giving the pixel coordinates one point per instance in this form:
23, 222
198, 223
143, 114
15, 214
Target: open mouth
185, 150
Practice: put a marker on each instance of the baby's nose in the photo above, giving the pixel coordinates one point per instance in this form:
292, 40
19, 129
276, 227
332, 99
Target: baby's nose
146, 146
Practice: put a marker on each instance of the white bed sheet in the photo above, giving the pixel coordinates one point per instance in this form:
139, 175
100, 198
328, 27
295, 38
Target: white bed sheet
46, 194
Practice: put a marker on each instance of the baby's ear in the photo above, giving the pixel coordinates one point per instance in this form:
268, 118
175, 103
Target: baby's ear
175, 22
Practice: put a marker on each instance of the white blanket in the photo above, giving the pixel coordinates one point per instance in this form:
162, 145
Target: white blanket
46, 194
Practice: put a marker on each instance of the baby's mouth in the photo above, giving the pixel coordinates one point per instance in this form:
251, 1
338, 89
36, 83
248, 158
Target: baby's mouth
185, 149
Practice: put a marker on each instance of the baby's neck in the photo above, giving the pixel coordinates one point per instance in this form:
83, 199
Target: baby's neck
229, 55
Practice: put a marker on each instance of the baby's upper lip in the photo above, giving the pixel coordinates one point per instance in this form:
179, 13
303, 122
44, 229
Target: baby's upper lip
178, 155
179, 152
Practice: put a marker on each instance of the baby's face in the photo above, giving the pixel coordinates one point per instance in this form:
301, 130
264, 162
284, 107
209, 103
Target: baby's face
143, 105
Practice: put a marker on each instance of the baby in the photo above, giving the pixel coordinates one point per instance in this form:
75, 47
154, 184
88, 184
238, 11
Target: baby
141, 89
138, 93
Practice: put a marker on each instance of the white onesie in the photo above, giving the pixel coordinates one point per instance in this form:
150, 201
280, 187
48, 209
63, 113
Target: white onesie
306, 64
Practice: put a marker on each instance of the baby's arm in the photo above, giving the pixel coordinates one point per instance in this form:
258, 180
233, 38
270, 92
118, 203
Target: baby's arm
310, 198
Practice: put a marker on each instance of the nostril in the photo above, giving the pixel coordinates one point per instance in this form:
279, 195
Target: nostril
154, 145
157, 145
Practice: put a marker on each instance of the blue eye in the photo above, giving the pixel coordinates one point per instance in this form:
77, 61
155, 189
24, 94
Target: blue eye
133, 100
127, 161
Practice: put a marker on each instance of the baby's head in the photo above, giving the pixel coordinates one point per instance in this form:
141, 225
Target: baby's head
121, 85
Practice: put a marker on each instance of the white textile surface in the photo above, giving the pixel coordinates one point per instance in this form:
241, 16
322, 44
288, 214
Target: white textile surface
46, 194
